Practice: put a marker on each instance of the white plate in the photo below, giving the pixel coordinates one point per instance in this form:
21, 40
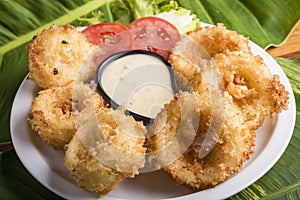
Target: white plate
47, 165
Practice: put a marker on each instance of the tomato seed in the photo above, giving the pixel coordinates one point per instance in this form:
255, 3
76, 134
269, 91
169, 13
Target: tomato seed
163, 34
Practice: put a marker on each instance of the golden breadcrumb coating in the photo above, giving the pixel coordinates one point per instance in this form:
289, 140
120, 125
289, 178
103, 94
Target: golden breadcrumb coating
194, 50
245, 76
52, 114
87, 102
253, 88
105, 150
88, 172
59, 55
233, 147
178, 122
218, 39
280, 96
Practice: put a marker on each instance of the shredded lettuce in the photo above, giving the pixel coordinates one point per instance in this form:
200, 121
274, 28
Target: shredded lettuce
181, 18
92, 18
143, 8
125, 11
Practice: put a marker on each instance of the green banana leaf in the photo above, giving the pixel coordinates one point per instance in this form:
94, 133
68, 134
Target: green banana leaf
266, 22
17, 183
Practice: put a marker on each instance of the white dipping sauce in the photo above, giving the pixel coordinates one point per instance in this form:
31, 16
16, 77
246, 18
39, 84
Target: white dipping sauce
140, 82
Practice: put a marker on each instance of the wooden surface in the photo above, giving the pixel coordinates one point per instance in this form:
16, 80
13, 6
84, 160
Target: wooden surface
290, 49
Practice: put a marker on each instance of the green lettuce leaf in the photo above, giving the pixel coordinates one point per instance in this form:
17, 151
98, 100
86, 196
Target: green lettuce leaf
143, 8
182, 18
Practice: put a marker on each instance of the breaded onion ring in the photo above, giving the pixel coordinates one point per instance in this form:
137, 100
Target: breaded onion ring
245, 76
195, 49
218, 39
52, 114
59, 55
252, 86
105, 150
234, 146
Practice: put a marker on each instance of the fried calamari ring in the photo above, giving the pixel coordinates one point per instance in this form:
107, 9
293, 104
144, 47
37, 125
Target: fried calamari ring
252, 86
218, 39
234, 146
245, 76
105, 150
59, 55
52, 114
194, 50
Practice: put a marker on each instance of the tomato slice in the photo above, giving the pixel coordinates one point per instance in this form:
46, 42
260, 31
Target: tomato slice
103, 32
110, 36
154, 34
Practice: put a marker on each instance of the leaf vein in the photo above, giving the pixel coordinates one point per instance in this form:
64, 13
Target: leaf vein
68, 18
